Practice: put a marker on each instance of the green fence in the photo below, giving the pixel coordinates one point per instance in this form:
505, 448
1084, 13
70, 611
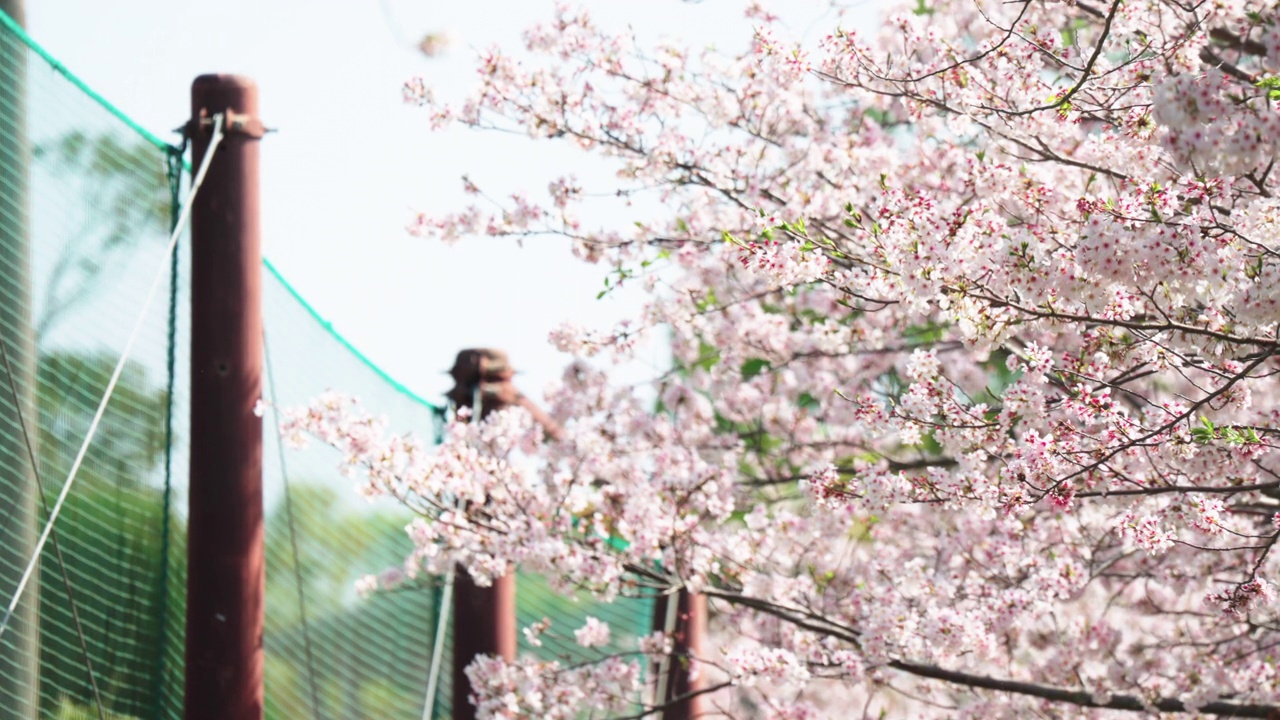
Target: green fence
86, 202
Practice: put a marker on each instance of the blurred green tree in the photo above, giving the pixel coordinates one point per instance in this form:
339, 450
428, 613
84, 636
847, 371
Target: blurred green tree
110, 532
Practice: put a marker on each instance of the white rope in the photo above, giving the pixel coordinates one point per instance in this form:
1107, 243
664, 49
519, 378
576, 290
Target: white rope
161, 274
446, 603
437, 647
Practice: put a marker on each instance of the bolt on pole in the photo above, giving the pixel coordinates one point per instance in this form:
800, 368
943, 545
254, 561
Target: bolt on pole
226, 569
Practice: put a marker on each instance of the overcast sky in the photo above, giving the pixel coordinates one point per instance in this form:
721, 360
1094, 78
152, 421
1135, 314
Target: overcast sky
351, 163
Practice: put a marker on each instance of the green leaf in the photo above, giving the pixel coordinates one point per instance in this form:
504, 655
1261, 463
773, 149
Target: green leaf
708, 301
1204, 434
929, 444
1271, 85
754, 367
708, 356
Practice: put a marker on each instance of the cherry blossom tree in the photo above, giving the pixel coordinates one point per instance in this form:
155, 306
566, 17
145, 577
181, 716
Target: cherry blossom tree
973, 410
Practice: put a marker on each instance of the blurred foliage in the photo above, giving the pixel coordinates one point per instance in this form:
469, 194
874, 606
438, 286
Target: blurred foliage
110, 534
111, 543
129, 443
68, 710
371, 656
124, 190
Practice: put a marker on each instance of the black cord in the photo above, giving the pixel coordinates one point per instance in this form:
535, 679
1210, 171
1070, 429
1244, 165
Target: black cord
57, 547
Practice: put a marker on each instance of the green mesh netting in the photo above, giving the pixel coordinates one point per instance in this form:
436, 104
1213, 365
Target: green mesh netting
85, 207
86, 202
370, 657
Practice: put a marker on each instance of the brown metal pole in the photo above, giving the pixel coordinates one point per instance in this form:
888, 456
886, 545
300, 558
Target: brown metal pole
484, 623
688, 634
225, 533
484, 619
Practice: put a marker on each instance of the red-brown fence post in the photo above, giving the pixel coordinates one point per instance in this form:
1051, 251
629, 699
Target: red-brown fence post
687, 632
484, 619
226, 570
484, 623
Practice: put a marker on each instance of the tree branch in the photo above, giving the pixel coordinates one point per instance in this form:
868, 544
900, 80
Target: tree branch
1082, 698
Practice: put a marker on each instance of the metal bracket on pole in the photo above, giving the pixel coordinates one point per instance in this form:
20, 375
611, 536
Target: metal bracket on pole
236, 123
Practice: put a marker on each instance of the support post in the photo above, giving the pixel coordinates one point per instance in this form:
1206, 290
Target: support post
20, 645
484, 623
484, 619
226, 569
675, 680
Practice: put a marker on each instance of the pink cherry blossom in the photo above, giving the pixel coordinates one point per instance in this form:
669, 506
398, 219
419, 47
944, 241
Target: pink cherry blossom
972, 403
592, 634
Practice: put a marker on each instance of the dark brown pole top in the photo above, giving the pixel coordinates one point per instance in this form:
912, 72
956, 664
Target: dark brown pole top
478, 366
236, 97
490, 372
223, 81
